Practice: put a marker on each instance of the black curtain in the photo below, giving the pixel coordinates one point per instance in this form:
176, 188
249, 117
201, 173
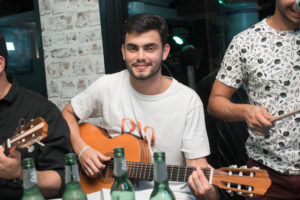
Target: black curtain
112, 13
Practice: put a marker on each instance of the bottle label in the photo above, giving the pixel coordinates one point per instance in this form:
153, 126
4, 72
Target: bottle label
160, 174
71, 173
29, 178
120, 167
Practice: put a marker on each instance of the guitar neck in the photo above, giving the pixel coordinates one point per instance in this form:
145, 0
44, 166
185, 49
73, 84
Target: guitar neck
176, 173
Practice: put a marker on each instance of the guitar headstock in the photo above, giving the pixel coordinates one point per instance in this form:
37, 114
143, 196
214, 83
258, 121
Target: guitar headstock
243, 181
32, 132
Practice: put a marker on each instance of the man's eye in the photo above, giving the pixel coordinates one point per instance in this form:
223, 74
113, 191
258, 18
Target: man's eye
131, 48
150, 48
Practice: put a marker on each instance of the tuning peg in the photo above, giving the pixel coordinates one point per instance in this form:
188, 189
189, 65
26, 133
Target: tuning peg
244, 167
251, 195
255, 167
233, 166
250, 188
229, 191
30, 149
42, 144
228, 185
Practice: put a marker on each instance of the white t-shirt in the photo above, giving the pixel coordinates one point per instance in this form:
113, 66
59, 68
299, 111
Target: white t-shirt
174, 119
268, 62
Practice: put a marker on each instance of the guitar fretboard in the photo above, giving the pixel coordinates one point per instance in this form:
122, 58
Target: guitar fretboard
144, 171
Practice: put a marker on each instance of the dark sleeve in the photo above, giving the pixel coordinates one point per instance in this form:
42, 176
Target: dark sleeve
57, 143
226, 196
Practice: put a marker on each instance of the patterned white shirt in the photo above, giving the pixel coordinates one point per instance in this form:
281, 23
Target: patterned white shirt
267, 61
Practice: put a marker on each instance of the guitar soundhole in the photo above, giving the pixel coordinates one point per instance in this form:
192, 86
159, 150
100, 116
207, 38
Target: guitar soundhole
106, 176
106, 180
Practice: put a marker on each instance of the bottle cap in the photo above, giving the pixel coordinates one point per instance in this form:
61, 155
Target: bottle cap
28, 163
119, 152
159, 157
70, 159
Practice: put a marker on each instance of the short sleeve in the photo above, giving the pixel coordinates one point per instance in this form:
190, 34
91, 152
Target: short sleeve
195, 141
232, 68
87, 104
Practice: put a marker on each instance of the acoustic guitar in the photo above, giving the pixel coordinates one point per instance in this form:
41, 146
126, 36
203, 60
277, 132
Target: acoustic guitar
232, 179
27, 135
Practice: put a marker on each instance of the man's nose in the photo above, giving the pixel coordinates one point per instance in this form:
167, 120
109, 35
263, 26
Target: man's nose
141, 55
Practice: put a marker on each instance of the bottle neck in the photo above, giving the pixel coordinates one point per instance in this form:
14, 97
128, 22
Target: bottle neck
71, 174
120, 168
29, 178
160, 173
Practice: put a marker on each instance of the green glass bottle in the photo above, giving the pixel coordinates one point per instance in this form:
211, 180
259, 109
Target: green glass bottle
161, 190
30, 184
122, 188
73, 190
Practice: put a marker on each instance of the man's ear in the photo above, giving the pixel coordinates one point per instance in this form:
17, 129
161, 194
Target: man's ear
123, 51
2, 64
166, 51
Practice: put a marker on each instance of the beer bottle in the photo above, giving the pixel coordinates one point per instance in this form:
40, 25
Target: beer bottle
161, 190
30, 184
73, 190
122, 188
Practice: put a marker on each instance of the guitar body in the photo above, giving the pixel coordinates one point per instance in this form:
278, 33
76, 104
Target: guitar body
136, 150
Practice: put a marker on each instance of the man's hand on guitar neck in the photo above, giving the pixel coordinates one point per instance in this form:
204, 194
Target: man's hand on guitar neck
91, 162
201, 187
10, 166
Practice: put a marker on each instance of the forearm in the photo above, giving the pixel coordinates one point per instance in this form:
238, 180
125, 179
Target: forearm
222, 108
49, 182
201, 162
72, 121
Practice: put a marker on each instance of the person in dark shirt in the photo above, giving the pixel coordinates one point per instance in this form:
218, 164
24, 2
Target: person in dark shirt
17, 107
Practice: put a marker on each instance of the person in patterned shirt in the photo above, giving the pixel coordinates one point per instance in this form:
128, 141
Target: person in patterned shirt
265, 59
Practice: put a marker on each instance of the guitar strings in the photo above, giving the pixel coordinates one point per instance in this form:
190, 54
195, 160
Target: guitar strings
172, 169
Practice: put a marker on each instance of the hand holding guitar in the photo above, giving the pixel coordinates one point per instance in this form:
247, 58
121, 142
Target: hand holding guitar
10, 166
33, 132
200, 186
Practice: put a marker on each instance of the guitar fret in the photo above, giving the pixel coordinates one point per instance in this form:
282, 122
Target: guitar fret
184, 174
143, 171
139, 169
177, 173
171, 173
149, 173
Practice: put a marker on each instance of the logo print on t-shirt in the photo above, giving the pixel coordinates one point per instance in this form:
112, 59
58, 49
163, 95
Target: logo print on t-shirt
136, 128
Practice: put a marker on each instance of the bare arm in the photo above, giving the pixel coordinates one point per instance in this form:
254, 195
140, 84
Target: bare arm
90, 159
220, 106
49, 182
198, 183
202, 162
72, 120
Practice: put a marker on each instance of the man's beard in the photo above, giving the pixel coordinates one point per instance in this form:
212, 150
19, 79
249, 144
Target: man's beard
153, 72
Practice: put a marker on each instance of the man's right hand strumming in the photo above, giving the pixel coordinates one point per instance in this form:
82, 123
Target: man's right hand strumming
89, 158
92, 161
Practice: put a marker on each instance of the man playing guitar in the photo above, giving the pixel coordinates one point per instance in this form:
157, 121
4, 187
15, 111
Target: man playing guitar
142, 102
